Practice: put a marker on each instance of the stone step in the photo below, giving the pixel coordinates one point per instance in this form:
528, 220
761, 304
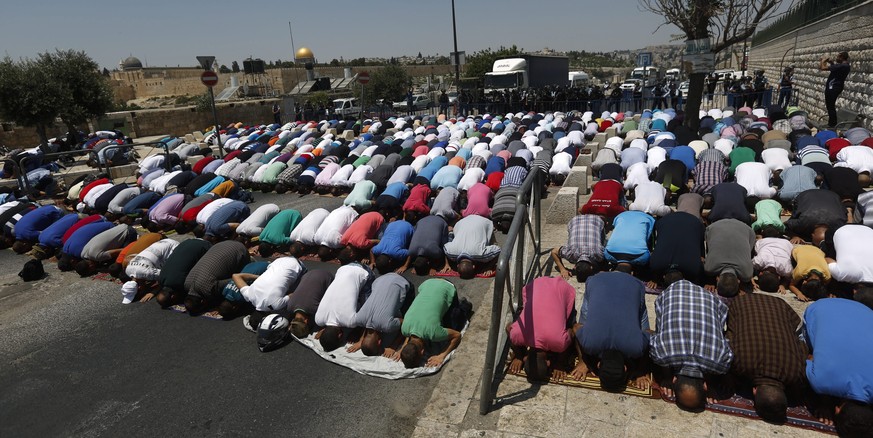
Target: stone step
564, 206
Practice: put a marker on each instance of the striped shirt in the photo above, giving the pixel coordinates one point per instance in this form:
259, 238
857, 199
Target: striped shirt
690, 337
219, 263
710, 154
707, 174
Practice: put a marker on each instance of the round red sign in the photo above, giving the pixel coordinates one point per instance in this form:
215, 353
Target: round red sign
209, 78
363, 77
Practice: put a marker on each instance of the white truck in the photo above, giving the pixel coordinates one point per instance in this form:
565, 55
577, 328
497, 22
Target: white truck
673, 74
578, 79
527, 71
346, 107
649, 76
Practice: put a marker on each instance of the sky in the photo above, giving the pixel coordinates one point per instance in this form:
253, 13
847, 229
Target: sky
171, 33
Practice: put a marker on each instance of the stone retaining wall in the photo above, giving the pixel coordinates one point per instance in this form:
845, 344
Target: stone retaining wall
851, 31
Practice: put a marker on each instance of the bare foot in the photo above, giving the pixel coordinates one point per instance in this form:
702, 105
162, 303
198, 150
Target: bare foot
825, 415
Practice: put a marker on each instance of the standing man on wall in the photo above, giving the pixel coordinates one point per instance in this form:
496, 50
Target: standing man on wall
836, 80
277, 114
786, 87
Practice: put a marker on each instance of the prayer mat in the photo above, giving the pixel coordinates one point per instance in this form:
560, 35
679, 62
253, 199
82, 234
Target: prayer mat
737, 405
104, 276
375, 366
212, 314
491, 273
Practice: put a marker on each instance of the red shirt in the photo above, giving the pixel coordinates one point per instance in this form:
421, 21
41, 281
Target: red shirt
232, 155
494, 180
605, 199
364, 228
191, 214
835, 145
81, 223
201, 163
417, 200
90, 186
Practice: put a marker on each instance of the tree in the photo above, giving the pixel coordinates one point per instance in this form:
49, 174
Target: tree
726, 22
234, 67
481, 62
388, 83
223, 69
82, 92
27, 95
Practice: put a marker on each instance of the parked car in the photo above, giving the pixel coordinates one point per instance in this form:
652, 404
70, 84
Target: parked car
346, 107
419, 102
630, 84
683, 87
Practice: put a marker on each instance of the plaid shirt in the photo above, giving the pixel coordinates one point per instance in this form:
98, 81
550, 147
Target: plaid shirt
707, 174
710, 154
476, 161
690, 337
780, 355
585, 241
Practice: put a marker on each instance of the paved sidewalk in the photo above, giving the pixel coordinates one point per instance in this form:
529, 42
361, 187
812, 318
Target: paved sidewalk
523, 409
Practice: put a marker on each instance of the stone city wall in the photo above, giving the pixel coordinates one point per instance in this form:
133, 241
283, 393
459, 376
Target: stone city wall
850, 31
180, 121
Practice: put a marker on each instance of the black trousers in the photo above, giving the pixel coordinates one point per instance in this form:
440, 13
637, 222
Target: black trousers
831, 96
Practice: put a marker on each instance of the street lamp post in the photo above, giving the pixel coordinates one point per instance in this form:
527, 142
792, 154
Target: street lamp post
457, 58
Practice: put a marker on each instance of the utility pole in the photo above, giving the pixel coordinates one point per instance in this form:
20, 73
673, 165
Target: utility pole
457, 58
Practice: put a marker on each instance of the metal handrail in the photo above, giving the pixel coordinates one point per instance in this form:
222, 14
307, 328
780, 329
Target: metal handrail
22, 183
527, 218
100, 165
20, 177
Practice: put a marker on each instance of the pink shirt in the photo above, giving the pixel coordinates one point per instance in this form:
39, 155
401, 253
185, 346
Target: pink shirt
548, 303
167, 211
478, 200
420, 150
364, 228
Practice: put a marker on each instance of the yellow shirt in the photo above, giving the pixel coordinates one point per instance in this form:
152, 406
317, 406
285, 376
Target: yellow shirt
808, 258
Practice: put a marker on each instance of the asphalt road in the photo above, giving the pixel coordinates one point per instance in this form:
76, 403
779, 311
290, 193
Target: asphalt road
74, 361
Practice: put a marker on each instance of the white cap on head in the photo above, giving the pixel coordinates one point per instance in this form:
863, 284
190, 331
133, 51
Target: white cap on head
128, 291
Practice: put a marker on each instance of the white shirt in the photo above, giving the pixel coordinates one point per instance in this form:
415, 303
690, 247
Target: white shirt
852, 244
615, 144
360, 174
724, 145
254, 224
305, 231
157, 253
151, 163
858, 158
561, 164
755, 177
341, 177
269, 292
637, 174
419, 162
656, 156
331, 231
340, 302
159, 184
210, 209
776, 159
649, 198
402, 174
323, 177
9, 205
95, 193
471, 177
259, 174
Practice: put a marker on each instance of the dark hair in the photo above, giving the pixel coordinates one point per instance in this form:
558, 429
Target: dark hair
199, 231
371, 345
583, 270
410, 355
844, 55
536, 368
65, 263
229, 309
280, 188
855, 419
115, 270
770, 230
346, 255
194, 305
324, 253
673, 276
266, 249
768, 281
182, 227
771, 403
728, 284
625, 267
696, 395
165, 297
864, 294
613, 377
331, 338
813, 289
299, 328
21, 247
466, 269
296, 249
383, 264
421, 265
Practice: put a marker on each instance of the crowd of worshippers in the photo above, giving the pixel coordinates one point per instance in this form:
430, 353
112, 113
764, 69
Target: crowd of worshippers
699, 215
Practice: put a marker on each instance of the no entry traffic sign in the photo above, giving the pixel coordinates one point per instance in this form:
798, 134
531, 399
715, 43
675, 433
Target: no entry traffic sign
363, 77
209, 78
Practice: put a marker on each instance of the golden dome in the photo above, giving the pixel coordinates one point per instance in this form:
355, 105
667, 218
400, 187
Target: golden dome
304, 53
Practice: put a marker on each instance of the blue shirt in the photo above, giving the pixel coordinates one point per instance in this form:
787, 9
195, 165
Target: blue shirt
495, 164
206, 188
685, 154
838, 333
395, 190
52, 235
630, 237
30, 225
447, 176
76, 243
395, 240
614, 315
143, 200
233, 212
431, 169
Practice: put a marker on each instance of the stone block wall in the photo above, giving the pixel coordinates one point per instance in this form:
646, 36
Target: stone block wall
851, 31
181, 121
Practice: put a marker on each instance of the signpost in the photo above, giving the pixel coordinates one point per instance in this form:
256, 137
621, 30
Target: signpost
363, 79
644, 59
210, 79
698, 57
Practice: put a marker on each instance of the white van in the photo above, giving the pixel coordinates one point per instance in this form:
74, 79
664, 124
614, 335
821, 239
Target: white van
346, 107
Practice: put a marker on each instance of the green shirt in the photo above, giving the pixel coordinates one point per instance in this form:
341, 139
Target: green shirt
768, 212
424, 317
280, 226
272, 173
361, 194
360, 161
739, 156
